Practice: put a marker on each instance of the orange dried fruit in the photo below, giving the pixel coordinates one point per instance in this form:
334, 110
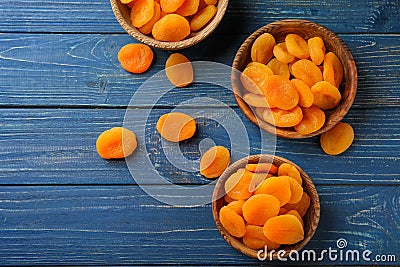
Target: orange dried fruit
202, 17
211, 2
146, 29
296, 190
279, 68
282, 54
116, 143
142, 11
333, 69
306, 97
254, 77
171, 28
279, 187
232, 222
214, 161
259, 208
280, 92
301, 206
286, 169
179, 70
237, 205
188, 8
255, 238
284, 229
307, 71
255, 100
263, 167
170, 6
256, 180
297, 46
313, 120
135, 58
228, 199
338, 139
176, 126
326, 95
237, 186
317, 50
262, 48
283, 118
297, 215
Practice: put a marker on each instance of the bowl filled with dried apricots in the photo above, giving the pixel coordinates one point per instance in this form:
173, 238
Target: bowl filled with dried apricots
169, 24
265, 205
294, 78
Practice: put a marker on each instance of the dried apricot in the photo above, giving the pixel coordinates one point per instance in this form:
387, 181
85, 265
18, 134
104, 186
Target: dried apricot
333, 69
211, 2
297, 46
135, 58
202, 17
146, 28
296, 190
262, 48
255, 100
237, 205
280, 92
171, 28
317, 50
301, 206
297, 215
170, 6
176, 126
254, 77
259, 208
282, 54
313, 120
283, 118
326, 95
256, 180
306, 97
142, 11
116, 143
179, 70
338, 139
307, 71
255, 238
214, 161
279, 68
188, 8
237, 186
232, 222
279, 187
286, 169
263, 167
228, 199
284, 229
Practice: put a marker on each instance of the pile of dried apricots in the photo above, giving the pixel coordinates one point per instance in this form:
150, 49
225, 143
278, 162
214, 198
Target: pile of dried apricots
265, 205
170, 20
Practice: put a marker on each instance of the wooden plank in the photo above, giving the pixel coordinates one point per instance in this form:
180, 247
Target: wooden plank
119, 225
58, 70
96, 16
51, 146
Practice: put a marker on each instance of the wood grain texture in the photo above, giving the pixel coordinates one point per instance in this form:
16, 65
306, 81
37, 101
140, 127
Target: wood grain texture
117, 225
83, 70
50, 146
97, 16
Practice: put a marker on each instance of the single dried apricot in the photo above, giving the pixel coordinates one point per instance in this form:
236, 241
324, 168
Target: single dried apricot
306, 97
237, 205
188, 8
116, 143
317, 50
333, 69
326, 95
135, 58
297, 46
284, 229
146, 28
214, 161
203, 17
255, 238
232, 222
171, 28
296, 190
279, 68
338, 139
237, 186
254, 77
255, 100
297, 215
142, 11
313, 120
170, 6
263, 167
283, 118
307, 71
262, 48
281, 53
179, 70
257, 179
259, 208
280, 92
286, 169
301, 206
279, 187
176, 126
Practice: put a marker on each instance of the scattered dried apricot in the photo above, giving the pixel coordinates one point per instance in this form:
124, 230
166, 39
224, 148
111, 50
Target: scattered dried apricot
179, 70
202, 18
214, 161
284, 229
171, 28
135, 58
116, 143
232, 222
176, 126
262, 48
338, 139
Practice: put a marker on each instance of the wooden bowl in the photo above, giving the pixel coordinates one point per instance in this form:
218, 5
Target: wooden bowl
306, 29
122, 13
311, 218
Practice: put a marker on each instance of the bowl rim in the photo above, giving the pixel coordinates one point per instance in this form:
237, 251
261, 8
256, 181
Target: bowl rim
350, 73
187, 42
308, 185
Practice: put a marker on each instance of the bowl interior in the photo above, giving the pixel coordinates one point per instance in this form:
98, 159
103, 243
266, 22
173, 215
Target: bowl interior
122, 13
306, 29
311, 218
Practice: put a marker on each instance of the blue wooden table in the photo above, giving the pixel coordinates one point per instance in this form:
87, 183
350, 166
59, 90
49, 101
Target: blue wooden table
61, 86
